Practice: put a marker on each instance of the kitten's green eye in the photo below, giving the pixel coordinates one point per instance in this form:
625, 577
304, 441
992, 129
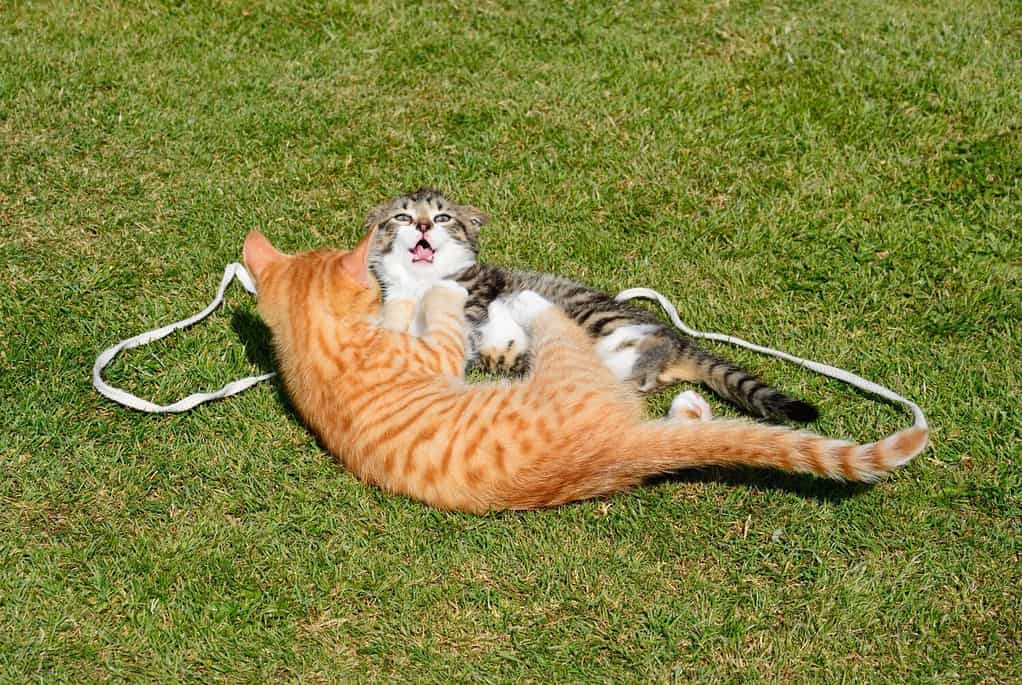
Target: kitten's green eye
403, 218
441, 218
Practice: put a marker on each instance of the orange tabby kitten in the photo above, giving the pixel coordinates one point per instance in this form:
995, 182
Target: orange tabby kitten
397, 411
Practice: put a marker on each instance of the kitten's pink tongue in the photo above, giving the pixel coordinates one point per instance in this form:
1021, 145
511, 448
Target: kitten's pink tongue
421, 253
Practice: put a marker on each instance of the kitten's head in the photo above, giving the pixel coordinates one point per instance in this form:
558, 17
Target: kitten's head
297, 291
423, 236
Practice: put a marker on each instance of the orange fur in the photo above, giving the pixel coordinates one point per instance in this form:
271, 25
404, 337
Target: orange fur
397, 411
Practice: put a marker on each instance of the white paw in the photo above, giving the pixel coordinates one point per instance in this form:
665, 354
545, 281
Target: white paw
500, 330
453, 286
525, 306
690, 406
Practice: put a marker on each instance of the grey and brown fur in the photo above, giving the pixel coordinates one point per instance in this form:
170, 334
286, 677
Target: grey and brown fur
639, 347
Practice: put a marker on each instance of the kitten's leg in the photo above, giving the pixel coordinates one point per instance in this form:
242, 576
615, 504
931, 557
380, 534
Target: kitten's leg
444, 328
557, 341
503, 343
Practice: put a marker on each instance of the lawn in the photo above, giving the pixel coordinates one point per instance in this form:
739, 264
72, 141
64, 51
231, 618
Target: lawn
841, 180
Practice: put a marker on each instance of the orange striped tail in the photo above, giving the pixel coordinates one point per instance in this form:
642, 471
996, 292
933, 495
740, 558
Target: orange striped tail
662, 447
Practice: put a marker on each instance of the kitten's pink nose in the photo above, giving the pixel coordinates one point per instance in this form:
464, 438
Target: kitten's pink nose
423, 226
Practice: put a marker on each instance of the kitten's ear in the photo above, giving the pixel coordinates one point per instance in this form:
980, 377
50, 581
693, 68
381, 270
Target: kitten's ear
476, 220
377, 216
356, 262
259, 253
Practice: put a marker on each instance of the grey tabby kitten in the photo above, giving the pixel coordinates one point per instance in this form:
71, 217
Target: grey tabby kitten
423, 237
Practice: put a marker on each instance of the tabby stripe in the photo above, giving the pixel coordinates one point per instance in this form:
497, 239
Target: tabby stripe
790, 446
385, 387
472, 445
543, 431
582, 315
877, 458
299, 295
498, 456
450, 354
392, 432
453, 333
712, 368
449, 342
402, 401
505, 396
483, 427
747, 380
425, 357
729, 374
445, 462
814, 455
417, 415
600, 326
845, 456
425, 435
328, 350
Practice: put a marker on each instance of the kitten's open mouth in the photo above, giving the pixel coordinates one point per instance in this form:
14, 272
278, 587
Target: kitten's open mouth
422, 252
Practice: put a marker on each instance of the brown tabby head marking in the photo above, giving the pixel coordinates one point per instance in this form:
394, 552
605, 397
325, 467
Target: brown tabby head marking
424, 237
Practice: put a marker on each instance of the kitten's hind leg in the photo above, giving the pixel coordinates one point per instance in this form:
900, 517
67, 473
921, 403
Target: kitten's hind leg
561, 348
733, 383
503, 343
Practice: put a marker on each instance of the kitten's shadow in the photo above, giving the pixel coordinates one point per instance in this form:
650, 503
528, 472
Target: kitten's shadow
258, 343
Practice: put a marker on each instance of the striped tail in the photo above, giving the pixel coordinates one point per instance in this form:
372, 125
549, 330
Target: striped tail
740, 387
660, 447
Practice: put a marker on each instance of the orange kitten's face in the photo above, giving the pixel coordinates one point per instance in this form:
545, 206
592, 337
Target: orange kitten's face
320, 283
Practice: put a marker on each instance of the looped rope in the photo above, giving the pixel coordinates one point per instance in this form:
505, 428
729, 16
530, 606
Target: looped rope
825, 369
233, 270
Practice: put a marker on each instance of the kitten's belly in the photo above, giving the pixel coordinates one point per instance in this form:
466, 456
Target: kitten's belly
620, 350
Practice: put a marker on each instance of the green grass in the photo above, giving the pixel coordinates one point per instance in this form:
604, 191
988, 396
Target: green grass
837, 179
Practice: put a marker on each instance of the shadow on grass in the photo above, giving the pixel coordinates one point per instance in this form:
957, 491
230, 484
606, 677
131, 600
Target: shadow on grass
808, 487
255, 337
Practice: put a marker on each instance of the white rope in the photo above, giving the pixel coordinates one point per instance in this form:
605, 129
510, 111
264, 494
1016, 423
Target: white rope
825, 369
233, 270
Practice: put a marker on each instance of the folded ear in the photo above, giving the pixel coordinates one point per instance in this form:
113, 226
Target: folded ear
356, 262
377, 216
476, 219
259, 253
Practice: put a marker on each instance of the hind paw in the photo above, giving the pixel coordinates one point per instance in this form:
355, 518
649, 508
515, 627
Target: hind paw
525, 306
503, 341
503, 359
690, 406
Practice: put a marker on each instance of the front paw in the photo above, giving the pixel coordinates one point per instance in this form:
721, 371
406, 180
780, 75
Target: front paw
526, 306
